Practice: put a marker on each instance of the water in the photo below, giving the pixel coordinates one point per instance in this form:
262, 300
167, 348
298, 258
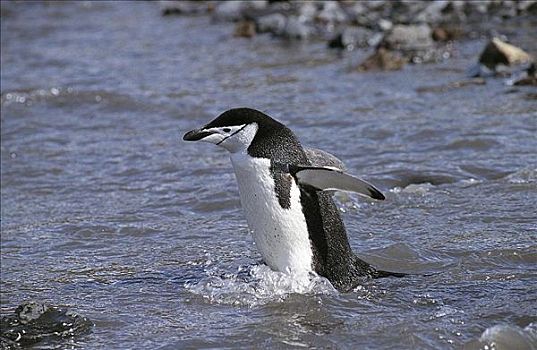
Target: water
107, 212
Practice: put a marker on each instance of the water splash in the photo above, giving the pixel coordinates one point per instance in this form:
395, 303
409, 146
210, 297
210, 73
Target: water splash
257, 285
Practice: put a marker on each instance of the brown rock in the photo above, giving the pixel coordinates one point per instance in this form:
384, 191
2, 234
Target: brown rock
245, 29
498, 52
453, 85
447, 33
383, 59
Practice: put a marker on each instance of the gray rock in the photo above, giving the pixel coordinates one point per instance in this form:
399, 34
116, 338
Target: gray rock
433, 13
273, 23
290, 27
235, 10
307, 11
297, 28
409, 38
33, 322
385, 24
332, 13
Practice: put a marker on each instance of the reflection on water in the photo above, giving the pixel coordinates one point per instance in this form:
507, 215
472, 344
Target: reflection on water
106, 210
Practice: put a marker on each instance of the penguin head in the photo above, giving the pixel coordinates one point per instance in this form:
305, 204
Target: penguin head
235, 129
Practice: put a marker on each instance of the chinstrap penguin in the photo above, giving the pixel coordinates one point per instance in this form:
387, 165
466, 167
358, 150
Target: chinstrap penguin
285, 191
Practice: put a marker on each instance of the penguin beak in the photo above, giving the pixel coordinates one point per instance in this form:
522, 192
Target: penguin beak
196, 135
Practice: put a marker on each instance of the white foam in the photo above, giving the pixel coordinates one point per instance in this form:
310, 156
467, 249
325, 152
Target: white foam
261, 286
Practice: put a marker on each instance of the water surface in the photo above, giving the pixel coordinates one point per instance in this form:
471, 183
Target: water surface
106, 211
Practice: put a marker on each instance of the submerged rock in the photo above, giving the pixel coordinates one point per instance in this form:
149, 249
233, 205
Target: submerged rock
33, 322
245, 29
383, 59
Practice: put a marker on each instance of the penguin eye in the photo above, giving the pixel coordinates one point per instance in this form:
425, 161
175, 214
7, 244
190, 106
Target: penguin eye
226, 129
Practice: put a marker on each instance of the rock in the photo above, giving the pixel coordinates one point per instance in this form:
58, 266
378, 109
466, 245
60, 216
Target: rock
433, 13
33, 322
332, 13
353, 37
527, 6
290, 27
235, 10
385, 25
307, 11
297, 28
408, 38
273, 23
383, 59
244, 29
498, 52
505, 9
176, 7
447, 33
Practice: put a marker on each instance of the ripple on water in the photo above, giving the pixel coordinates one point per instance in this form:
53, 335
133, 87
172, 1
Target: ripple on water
505, 337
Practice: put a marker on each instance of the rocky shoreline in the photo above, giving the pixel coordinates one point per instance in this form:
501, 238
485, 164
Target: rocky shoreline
400, 32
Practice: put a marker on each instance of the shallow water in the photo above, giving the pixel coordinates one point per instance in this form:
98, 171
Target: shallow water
106, 211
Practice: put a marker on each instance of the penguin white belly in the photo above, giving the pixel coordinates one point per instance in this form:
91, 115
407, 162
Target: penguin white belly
281, 235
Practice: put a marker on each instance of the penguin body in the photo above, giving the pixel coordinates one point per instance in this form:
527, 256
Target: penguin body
285, 191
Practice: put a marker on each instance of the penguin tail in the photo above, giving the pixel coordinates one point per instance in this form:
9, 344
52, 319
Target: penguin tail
384, 274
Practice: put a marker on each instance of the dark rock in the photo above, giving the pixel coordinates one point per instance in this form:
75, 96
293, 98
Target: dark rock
447, 33
175, 7
352, 37
498, 53
383, 59
244, 29
504, 9
33, 322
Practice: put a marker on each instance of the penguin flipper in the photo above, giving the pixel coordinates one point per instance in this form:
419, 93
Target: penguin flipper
333, 179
